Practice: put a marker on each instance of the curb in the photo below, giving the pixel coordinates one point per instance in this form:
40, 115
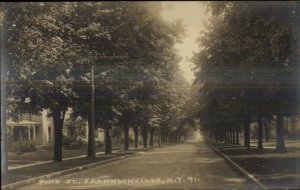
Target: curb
64, 172
241, 170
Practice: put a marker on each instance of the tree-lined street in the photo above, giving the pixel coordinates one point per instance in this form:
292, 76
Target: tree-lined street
185, 166
77, 77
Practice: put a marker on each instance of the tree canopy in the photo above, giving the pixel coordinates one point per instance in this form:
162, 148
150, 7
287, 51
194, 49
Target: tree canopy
52, 45
249, 61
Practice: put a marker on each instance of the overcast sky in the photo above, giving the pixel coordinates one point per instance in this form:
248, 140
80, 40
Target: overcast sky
193, 15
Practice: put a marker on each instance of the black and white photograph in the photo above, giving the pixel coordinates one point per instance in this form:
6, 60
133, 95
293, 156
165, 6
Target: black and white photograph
153, 95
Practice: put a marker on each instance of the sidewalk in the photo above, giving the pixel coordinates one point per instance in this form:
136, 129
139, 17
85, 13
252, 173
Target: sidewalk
272, 169
40, 168
46, 156
291, 144
43, 157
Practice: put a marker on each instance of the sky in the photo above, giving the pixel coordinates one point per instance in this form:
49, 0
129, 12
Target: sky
194, 16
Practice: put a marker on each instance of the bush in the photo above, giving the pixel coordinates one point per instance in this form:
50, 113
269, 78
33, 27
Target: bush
24, 146
99, 144
79, 144
122, 141
71, 144
67, 142
11, 146
131, 140
49, 146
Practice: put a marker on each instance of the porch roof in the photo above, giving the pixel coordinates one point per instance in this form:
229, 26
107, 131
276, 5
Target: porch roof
21, 123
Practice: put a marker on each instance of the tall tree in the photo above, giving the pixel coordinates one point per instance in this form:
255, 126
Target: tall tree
134, 29
40, 58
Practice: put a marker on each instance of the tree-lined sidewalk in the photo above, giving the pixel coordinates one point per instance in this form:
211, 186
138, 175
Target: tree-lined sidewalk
45, 156
51, 167
274, 170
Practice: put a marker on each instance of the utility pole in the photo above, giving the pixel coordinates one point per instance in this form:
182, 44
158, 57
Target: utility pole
92, 126
92, 130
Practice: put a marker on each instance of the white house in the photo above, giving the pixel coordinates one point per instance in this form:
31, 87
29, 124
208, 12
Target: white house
38, 128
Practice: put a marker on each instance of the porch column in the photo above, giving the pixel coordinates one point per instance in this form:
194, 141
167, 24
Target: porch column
28, 132
33, 132
12, 130
99, 134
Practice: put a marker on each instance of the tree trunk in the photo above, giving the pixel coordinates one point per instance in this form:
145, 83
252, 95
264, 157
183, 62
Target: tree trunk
126, 139
226, 136
280, 145
162, 136
151, 136
216, 136
159, 136
91, 153
294, 128
221, 136
108, 144
58, 121
237, 137
247, 133
260, 132
230, 136
136, 136
267, 131
233, 136
145, 136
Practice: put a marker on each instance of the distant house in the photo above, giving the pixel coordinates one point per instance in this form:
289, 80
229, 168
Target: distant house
291, 128
38, 128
